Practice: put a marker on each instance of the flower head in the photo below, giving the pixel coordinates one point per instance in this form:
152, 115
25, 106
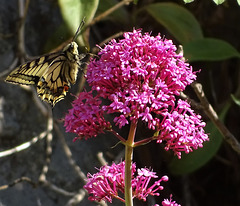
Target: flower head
109, 183
138, 78
86, 117
140, 75
182, 129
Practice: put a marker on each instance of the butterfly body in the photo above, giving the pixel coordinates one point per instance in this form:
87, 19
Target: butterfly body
53, 73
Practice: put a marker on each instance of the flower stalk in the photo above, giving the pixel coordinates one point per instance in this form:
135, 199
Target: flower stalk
128, 164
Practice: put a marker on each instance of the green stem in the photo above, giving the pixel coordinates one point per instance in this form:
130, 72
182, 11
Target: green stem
144, 141
118, 136
128, 164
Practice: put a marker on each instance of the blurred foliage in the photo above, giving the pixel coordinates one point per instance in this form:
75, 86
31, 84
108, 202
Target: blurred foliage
74, 11
235, 100
209, 49
177, 20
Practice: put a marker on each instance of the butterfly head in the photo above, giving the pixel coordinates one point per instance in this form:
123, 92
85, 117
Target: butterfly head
71, 50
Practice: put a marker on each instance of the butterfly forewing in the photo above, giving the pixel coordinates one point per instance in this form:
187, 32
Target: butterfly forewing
52, 73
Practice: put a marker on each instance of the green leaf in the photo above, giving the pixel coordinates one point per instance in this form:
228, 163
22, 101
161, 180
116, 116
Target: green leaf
218, 1
209, 49
178, 21
236, 100
238, 1
73, 11
196, 159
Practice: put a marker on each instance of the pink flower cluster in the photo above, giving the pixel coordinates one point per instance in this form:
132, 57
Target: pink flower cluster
138, 78
108, 183
86, 117
182, 130
140, 75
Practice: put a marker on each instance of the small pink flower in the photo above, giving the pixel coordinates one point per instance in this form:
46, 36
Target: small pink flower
169, 202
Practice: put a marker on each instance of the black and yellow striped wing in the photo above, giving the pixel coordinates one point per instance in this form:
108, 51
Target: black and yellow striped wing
30, 72
53, 73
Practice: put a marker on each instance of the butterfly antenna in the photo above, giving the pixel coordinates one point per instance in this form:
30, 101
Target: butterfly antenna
79, 29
